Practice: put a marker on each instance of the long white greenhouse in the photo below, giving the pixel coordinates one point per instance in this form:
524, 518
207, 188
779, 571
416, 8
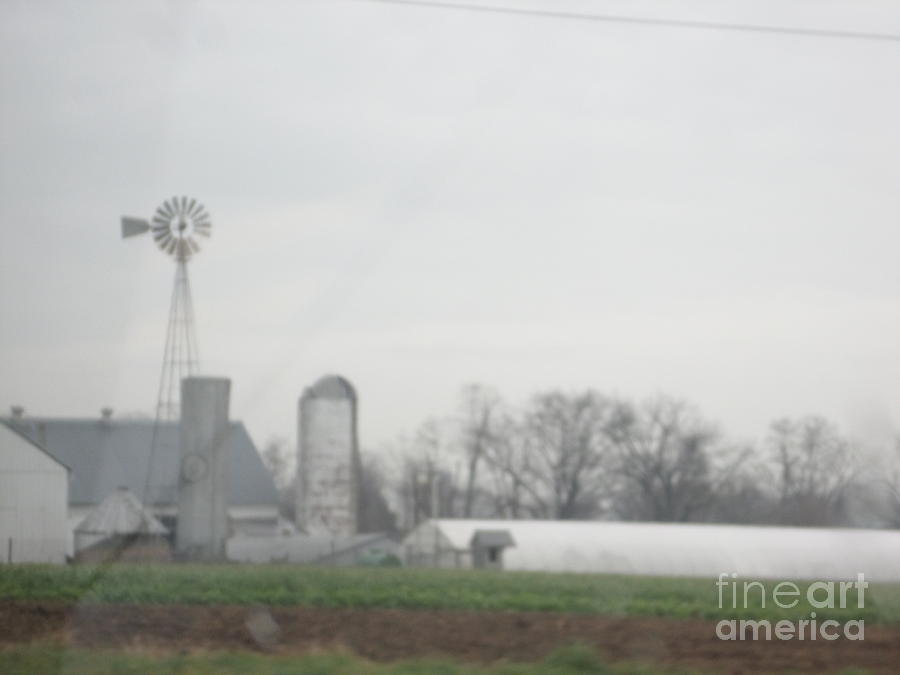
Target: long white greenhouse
669, 549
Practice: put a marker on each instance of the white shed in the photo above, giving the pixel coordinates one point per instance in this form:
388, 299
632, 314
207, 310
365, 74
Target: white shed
663, 549
34, 500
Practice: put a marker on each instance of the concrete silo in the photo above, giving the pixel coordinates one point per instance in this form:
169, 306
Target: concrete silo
328, 458
202, 484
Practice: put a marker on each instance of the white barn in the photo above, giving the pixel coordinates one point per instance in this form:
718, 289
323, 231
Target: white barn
34, 499
105, 454
662, 549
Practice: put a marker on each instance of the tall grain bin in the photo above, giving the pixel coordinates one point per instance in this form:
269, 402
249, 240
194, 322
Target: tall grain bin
202, 496
328, 458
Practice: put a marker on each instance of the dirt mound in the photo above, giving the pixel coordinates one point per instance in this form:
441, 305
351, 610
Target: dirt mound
387, 635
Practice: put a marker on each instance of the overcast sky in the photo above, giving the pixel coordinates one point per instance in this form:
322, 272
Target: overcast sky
421, 198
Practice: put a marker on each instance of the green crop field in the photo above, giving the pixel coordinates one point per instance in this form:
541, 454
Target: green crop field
409, 588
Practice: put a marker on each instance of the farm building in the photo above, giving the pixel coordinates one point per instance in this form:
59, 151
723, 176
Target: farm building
669, 549
33, 501
105, 454
121, 529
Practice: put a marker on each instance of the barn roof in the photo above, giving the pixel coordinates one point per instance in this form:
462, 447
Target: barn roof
10, 431
105, 454
672, 549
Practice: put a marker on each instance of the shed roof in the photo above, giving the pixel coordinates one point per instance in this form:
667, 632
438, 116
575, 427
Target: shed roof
120, 513
671, 549
492, 538
105, 454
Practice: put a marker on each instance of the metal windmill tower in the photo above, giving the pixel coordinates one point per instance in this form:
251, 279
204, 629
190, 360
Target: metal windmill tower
174, 226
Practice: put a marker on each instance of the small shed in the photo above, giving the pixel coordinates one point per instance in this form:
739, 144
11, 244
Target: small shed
488, 546
120, 528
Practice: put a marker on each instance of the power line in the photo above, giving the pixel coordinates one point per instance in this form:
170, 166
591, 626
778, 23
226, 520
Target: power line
638, 21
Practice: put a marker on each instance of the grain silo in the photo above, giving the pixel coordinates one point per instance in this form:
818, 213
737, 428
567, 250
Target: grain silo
328, 458
202, 485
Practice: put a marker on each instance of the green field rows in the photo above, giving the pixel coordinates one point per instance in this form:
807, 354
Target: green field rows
406, 588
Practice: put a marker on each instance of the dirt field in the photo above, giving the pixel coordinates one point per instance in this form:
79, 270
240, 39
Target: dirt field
386, 635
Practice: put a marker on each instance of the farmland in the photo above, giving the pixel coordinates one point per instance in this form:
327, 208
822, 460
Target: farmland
407, 589
193, 618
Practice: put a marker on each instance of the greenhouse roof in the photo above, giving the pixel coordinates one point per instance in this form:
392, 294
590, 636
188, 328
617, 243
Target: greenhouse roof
684, 549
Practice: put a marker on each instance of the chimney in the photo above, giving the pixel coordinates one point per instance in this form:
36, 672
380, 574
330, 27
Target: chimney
18, 412
106, 414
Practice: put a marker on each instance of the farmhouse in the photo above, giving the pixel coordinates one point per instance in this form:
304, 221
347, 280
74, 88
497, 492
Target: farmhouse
670, 549
33, 501
106, 454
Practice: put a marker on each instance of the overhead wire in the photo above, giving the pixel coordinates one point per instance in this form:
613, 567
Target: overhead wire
644, 21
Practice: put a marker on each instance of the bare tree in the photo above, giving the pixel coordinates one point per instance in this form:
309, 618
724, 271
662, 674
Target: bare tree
814, 468
374, 514
478, 419
551, 463
279, 460
508, 460
665, 461
425, 488
740, 495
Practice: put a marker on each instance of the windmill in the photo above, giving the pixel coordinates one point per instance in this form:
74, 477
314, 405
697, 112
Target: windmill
175, 225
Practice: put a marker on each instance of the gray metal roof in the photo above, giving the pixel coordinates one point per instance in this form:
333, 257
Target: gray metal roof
104, 455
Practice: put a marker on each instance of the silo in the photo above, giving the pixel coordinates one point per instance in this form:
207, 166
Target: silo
202, 498
327, 458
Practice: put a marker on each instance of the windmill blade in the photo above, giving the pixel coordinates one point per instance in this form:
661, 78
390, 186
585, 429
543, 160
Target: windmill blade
166, 209
131, 227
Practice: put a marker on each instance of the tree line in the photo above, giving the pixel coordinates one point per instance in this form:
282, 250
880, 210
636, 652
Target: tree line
588, 455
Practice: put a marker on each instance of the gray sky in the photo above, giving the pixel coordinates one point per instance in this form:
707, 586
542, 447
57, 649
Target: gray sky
419, 198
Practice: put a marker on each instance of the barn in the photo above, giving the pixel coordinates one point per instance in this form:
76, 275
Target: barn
106, 454
663, 549
33, 501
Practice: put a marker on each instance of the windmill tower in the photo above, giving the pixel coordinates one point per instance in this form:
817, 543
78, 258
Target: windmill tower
175, 226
